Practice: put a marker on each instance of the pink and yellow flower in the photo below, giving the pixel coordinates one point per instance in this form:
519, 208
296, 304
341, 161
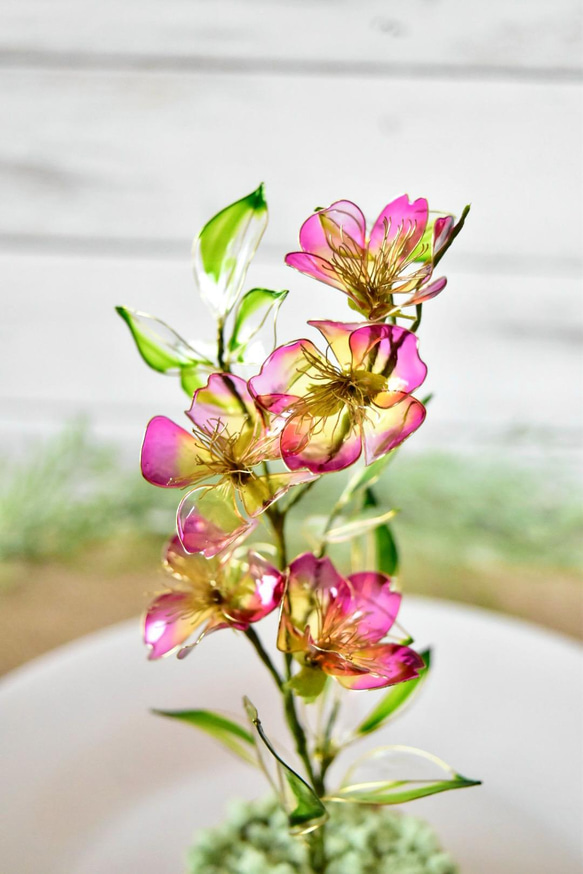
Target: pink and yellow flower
397, 257
229, 439
208, 594
331, 410
339, 625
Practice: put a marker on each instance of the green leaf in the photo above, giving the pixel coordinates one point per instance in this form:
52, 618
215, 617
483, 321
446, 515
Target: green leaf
192, 378
252, 302
231, 734
365, 477
308, 683
394, 699
224, 248
304, 809
396, 774
159, 345
358, 527
386, 552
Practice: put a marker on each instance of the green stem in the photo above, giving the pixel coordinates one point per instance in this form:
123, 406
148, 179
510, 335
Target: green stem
252, 635
221, 344
417, 322
317, 851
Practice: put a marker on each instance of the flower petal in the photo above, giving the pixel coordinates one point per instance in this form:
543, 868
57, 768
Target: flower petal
254, 592
340, 225
442, 229
391, 351
426, 293
209, 520
171, 458
337, 335
373, 604
193, 568
312, 582
285, 375
384, 664
400, 217
259, 492
170, 620
386, 429
313, 265
322, 445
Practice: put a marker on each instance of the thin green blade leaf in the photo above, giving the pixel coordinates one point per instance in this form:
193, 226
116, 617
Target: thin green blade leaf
254, 301
396, 774
365, 477
224, 248
159, 345
385, 546
394, 699
231, 734
358, 527
304, 809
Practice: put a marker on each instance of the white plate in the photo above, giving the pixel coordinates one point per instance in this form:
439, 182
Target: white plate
94, 784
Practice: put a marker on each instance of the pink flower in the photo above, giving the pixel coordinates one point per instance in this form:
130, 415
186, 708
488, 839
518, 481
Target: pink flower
397, 257
332, 409
229, 439
208, 594
338, 624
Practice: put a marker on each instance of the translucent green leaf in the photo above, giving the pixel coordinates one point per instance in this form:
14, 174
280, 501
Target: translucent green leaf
231, 734
304, 809
192, 378
386, 552
362, 525
258, 300
394, 699
224, 248
308, 683
396, 774
159, 345
364, 478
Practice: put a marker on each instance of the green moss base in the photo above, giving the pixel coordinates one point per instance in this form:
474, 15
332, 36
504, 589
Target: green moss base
359, 840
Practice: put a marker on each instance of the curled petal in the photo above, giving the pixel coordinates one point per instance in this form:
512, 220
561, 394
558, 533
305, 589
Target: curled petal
170, 457
340, 225
259, 492
400, 218
209, 520
383, 664
322, 445
191, 567
442, 229
170, 620
426, 293
386, 429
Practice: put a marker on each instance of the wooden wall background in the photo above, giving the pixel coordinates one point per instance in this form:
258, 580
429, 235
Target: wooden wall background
127, 124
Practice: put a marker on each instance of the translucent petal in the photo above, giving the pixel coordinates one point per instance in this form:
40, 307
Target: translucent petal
322, 445
225, 405
209, 520
314, 266
253, 591
341, 224
400, 217
373, 603
385, 429
170, 620
382, 664
258, 492
286, 375
312, 582
427, 292
170, 456
337, 335
391, 351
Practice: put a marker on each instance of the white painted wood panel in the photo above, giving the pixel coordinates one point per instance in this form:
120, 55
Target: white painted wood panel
418, 34
503, 353
150, 157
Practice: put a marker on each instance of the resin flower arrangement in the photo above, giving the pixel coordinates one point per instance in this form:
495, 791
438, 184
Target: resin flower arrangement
260, 437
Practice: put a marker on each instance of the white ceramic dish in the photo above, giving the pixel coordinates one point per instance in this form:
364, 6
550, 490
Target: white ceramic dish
94, 784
